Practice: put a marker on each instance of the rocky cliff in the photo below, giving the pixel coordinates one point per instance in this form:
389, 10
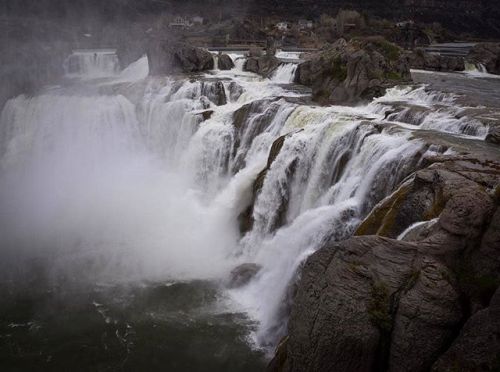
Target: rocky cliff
416, 290
348, 72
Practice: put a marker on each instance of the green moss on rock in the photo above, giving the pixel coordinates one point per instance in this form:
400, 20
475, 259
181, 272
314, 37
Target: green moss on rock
379, 307
381, 220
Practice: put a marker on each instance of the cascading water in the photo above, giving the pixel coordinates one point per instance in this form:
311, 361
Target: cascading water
285, 73
148, 186
427, 110
92, 63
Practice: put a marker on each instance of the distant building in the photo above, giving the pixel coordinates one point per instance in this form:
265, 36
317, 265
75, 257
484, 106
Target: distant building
404, 24
180, 22
305, 24
197, 20
282, 26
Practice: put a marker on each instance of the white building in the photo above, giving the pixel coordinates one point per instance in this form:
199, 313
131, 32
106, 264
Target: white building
197, 20
180, 22
282, 26
404, 24
305, 24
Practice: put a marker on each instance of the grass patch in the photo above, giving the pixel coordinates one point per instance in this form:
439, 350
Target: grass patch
339, 69
389, 50
393, 75
379, 307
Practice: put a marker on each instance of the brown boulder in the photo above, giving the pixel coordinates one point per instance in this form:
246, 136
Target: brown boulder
225, 62
487, 54
354, 71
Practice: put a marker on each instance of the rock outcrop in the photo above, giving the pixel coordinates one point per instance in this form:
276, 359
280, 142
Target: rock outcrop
375, 303
214, 91
242, 274
493, 135
419, 59
348, 72
263, 65
477, 347
225, 62
175, 57
488, 55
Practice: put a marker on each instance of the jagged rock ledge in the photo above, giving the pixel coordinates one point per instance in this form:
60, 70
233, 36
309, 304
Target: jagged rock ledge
487, 54
416, 290
421, 60
358, 70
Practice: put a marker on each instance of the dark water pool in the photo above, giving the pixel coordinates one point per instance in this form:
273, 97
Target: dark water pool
147, 327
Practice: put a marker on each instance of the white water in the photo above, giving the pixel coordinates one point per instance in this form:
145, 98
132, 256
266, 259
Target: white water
416, 226
105, 188
285, 73
294, 56
427, 110
479, 71
92, 63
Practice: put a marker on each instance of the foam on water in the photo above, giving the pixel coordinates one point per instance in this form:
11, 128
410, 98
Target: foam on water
285, 73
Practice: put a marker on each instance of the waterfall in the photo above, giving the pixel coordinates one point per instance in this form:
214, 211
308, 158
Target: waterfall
422, 109
285, 73
482, 68
92, 63
118, 187
325, 179
82, 174
478, 70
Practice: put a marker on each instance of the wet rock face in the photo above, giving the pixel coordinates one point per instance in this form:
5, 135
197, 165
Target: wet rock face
225, 62
487, 54
235, 91
243, 274
215, 92
428, 303
478, 345
167, 57
263, 65
434, 62
493, 135
355, 71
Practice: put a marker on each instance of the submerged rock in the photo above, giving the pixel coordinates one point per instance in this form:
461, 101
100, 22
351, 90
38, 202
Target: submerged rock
235, 91
348, 72
214, 91
242, 275
206, 115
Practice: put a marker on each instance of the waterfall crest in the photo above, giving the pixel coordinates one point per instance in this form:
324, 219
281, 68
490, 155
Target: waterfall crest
285, 73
